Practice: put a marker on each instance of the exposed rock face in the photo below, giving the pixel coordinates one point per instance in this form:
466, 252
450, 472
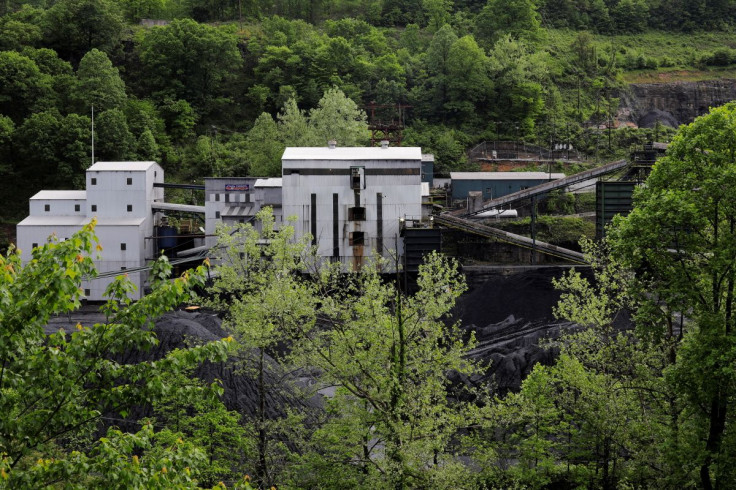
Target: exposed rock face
673, 103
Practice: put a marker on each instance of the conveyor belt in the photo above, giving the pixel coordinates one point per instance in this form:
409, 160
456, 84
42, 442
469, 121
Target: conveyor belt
546, 187
487, 231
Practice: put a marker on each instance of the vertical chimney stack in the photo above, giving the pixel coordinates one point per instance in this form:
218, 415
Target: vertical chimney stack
331, 144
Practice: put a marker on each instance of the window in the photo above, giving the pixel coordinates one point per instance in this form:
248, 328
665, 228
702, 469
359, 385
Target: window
217, 197
217, 215
76, 208
155, 173
93, 181
123, 268
130, 208
227, 197
86, 292
356, 177
123, 246
357, 238
129, 181
35, 245
94, 208
47, 207
356, 214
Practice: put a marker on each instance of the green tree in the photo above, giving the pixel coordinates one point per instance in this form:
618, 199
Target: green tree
113, 139
74, 27
294, 126
146, 148
265, 304
338, 118
23, 88
516, 18
56, 150
389, 355
99, 84
7, 128
191, 61
681, 240
263, 148
56, 387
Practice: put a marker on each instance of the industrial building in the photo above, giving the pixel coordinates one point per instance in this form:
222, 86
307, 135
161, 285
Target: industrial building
233, 200
496, 184
122, 196
353, 201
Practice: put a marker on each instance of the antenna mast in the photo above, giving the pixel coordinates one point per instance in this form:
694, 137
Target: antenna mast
93, 134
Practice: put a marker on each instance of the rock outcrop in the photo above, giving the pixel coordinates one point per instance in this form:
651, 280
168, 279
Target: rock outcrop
672, 103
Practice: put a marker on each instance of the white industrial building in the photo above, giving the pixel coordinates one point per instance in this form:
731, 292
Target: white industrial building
233, 200
352, 200
121, 195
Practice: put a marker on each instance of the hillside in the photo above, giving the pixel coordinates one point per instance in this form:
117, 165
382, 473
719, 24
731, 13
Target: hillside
220, 88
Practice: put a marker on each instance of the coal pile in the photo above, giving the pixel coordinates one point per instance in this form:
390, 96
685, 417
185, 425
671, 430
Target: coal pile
180, 329
509, 316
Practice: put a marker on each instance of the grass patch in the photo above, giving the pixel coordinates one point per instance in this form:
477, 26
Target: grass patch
557, 230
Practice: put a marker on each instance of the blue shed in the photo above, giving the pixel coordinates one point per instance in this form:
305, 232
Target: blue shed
496, 184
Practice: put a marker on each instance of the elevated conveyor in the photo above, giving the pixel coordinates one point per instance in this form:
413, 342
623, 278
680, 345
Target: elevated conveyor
505, 236
546, 187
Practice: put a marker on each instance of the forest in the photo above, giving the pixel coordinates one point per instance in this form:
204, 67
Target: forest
219, 88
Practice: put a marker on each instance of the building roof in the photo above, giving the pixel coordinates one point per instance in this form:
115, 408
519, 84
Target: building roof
505, 176
78, 221
274, 182
61, 195
121, 166
353, 153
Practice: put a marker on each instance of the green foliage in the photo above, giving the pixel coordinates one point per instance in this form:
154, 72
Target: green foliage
99, 84
191, 61
23, 88
113, 139
517, 18
74, 27
57, 386
680, 238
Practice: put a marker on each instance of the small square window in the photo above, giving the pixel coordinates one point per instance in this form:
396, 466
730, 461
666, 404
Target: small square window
76, 208
356, 214
130, 208
217, 215
129, 181
123, 246
357, 238
93, 181
87, 292
94, 208
47, 207
35, 245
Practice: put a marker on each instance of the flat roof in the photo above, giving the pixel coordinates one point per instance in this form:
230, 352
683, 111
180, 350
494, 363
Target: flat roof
273, 182
121, 166
505, 176
353, 153
78, 221
54, 221
61, 195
